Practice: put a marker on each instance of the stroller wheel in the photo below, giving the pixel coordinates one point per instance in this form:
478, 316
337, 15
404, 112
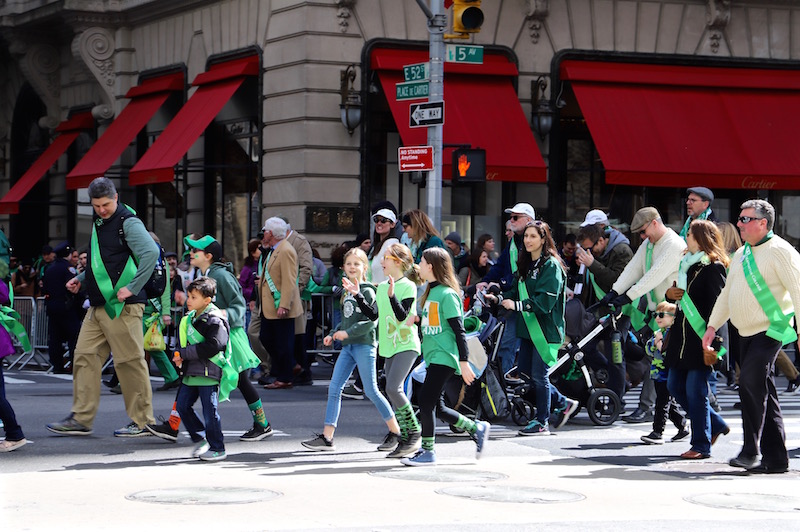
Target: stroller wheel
522, 411
603, 407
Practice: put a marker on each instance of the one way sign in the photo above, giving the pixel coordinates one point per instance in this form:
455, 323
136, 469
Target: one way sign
425, 114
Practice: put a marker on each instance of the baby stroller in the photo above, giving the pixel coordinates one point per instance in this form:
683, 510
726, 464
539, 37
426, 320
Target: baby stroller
572, 374
485, 398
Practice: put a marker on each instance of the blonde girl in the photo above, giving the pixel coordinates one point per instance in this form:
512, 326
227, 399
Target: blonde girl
444, 349
357, 334
398, 341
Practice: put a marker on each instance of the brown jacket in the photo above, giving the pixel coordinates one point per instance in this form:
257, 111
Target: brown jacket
305, 265
282, 267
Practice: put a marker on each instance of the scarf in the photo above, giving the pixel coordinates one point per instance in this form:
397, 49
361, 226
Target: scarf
689, 260
703, 216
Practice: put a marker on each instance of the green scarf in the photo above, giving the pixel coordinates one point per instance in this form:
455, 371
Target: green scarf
703, 216
188, 335
689, 260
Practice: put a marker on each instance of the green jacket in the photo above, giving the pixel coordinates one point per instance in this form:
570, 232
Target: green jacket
545, 284
229, 293
359, 328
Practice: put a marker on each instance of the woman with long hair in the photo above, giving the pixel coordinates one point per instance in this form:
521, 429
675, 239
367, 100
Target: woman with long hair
477, 266
385, 221
538, 297
486, 243
422, 233
701, 278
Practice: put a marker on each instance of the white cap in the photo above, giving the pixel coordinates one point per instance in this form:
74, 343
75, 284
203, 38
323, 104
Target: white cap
522, 208
595, 216
386, 213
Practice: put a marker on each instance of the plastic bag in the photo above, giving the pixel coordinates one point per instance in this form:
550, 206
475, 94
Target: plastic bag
153, 339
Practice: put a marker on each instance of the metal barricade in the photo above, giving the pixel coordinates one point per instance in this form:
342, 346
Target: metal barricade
171, 332
322, 308
34, 318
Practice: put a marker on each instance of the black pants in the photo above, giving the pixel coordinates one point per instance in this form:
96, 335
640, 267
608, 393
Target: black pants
62, 327
666, 407
431, 399
762, 421
246, 387
277, 336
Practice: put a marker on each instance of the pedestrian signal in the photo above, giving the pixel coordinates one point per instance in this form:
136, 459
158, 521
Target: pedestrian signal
469, 165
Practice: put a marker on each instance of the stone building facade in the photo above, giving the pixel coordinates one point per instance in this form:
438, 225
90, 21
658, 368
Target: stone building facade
277, 144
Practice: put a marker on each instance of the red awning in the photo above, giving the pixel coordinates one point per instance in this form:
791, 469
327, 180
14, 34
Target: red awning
216, 87
680, 126
69, 129
481, 110
146, 99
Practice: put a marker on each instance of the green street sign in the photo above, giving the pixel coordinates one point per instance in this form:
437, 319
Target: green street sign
463, 53
412, 90
416, 72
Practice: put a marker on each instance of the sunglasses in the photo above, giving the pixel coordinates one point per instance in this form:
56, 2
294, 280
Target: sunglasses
664, 314
643, 230
381, 220
515, 217
748, 219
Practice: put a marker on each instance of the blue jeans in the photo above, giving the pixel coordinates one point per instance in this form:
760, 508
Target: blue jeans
546, 393
690, 389
352, 355
13, 430
209, 397
509, 344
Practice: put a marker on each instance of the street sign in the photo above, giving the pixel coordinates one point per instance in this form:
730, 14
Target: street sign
425, 114
415, 158
464, 53
417, 72
412, 90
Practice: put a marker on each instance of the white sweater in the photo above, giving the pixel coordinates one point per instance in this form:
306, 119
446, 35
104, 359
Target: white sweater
779, 265
636, 280
375, 266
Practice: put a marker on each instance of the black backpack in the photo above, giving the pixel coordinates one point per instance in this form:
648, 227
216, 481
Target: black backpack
157, 283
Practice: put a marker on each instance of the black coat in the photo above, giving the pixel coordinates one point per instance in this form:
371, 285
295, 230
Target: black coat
684, 347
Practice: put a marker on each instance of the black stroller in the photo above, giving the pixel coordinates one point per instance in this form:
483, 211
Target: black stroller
572, 374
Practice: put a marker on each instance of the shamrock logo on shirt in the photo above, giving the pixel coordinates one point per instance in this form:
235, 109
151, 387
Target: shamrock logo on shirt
397, 331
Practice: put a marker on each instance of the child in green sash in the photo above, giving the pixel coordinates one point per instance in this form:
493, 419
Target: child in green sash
203, 340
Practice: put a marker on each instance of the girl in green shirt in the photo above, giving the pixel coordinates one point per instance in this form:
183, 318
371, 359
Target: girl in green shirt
444, 349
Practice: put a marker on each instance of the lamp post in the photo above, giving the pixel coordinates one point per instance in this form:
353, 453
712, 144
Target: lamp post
543, 113
350, 108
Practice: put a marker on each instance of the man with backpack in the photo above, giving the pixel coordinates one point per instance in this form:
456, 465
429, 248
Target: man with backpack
122, 258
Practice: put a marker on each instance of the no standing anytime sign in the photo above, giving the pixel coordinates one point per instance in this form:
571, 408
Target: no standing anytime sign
415, 158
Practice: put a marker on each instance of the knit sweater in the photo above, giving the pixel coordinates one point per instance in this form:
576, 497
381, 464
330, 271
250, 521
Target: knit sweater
779, 264
636, 281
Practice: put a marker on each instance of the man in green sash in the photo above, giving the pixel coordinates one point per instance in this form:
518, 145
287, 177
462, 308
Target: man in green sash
653, 269
122, 257
760, 298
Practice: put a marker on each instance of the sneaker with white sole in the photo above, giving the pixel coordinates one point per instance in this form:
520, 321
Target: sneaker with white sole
200, 447
390, 442
163, 430
213, 456
654, 438
351, 392
131, 430
68, 427
257, 433
566, 411
320, 443
534, 428
482, 429
423, 457
408, 446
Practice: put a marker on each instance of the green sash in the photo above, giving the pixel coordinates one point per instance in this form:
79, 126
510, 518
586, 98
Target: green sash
548, 352
109, 292
188, 335
513, 255
276, 295
780, 324
695, 320
9, 320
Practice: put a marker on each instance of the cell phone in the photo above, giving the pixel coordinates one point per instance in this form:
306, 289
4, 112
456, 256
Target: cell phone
716, 344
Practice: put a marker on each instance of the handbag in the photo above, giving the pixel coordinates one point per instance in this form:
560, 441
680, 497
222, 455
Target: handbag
153, 338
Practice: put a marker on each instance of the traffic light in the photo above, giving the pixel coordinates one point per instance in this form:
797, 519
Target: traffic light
469, 166
467, 16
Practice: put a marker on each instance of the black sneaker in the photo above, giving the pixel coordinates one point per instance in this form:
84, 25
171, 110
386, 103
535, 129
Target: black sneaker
351, 392
793, 387
407, 447
390, 442
169, 385
320, 443
163, 430
654, 438
257, 433
682, 433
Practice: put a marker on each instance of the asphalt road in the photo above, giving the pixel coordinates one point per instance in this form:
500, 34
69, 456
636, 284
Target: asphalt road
599, 476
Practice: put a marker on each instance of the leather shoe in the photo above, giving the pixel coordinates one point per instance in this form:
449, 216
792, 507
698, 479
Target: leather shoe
766, 469
639, 416
743, 461
278, 385
715, 436
694, 455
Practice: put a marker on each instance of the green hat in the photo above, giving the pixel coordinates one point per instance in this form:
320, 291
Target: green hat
207, 244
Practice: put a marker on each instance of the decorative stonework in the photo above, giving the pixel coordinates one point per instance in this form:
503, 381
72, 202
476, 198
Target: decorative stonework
94, 48
718, 14
40, 65
344, 12
537, 12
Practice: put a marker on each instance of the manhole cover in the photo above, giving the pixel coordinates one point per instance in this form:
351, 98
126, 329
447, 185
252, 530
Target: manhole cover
747, 501
523, 494
439, 474
210, 495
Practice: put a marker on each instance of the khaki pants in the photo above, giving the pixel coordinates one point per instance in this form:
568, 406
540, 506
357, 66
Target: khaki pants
784, 364
122, 336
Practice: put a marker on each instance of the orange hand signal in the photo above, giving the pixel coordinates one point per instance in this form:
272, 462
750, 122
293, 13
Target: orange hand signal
463, 165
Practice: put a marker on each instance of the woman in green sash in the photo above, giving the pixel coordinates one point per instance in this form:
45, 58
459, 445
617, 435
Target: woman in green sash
701, 278
538, 297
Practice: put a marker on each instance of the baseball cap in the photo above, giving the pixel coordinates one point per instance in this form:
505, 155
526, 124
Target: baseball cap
386, 213
595, 216
522, 208
703, 192
643, 217
207, 244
